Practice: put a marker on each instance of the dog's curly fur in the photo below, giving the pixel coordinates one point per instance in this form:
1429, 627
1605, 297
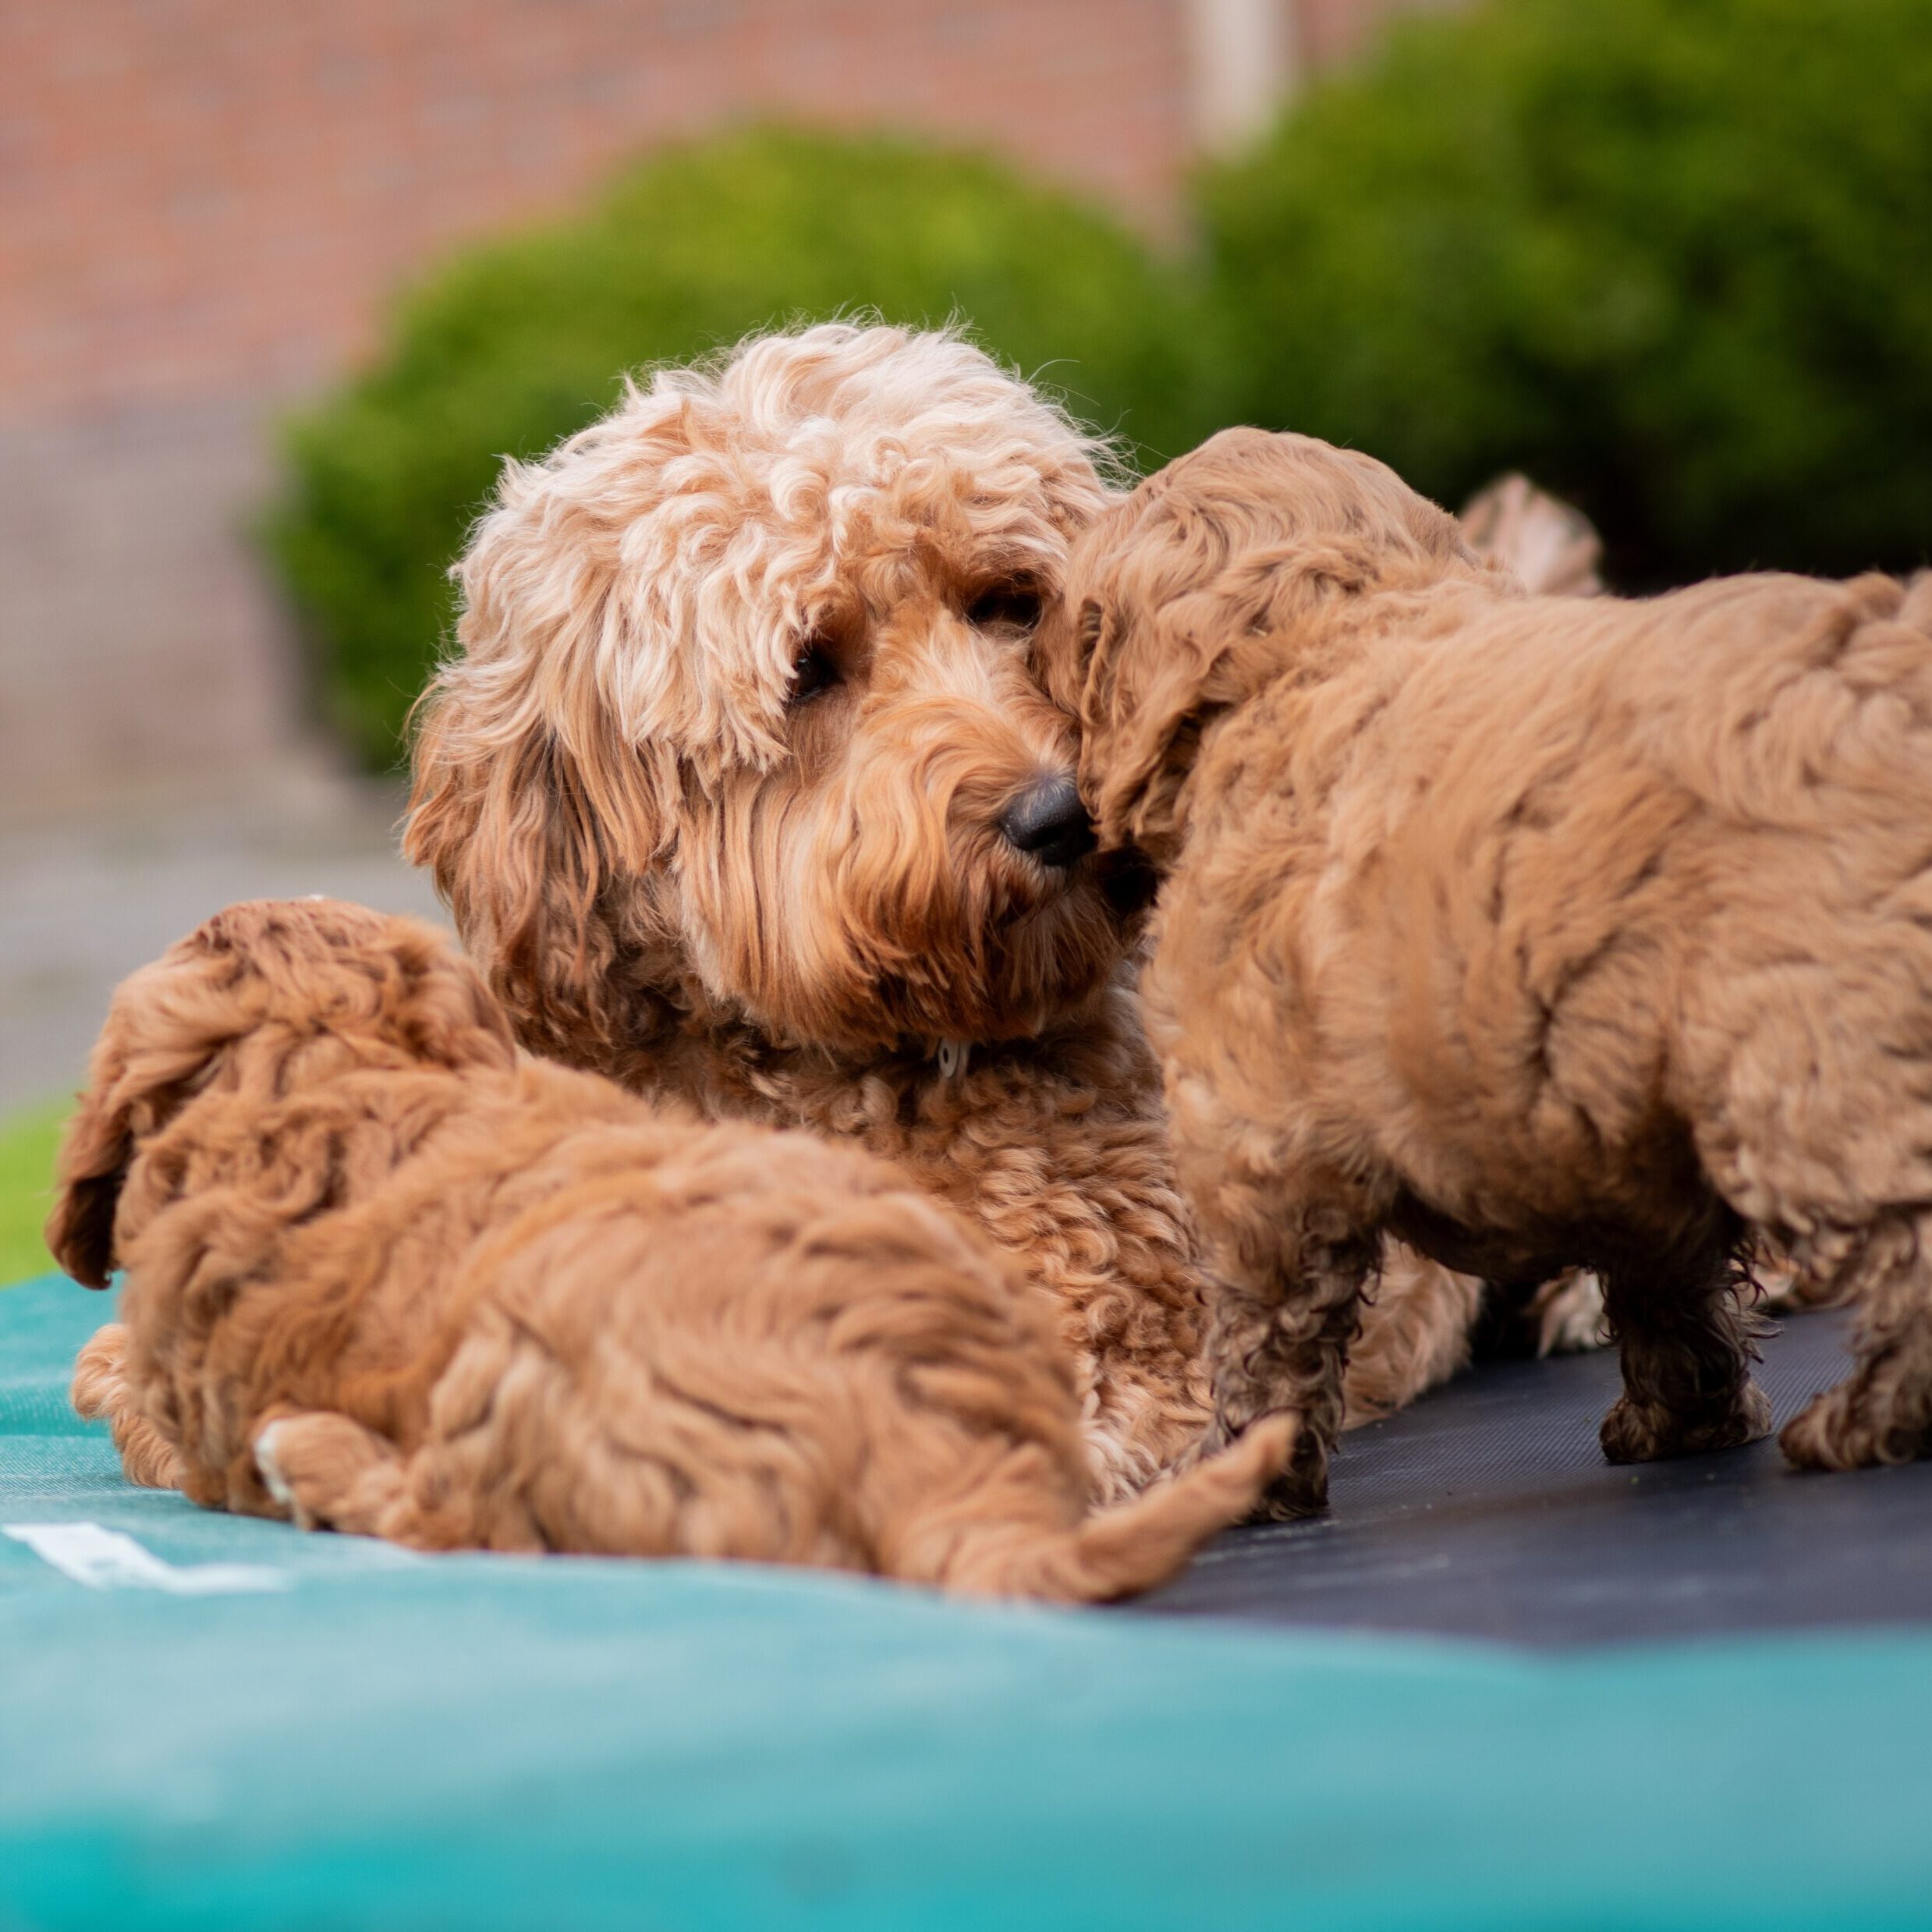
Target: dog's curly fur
384, 1278
714, 791
1537, 930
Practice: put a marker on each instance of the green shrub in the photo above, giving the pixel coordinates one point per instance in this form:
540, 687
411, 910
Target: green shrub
1673, 257
518, 342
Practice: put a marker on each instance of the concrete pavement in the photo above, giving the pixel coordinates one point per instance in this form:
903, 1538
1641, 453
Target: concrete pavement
81, 905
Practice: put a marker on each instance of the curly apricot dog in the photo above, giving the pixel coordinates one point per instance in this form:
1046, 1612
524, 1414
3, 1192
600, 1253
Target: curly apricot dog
383, 1278
744, 791
1477, 926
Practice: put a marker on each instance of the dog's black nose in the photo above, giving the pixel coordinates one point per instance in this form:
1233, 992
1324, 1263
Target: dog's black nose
1048, 821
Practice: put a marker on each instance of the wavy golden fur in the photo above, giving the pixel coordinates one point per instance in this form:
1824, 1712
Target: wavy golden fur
383, 1277
717, 791
1535, 931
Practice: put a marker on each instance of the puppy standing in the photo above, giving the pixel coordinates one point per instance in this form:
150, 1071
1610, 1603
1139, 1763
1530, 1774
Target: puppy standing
1535, 931
383, 1277
744, 791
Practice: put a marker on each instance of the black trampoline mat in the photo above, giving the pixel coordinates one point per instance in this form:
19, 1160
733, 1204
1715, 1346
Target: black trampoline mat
1486, 1510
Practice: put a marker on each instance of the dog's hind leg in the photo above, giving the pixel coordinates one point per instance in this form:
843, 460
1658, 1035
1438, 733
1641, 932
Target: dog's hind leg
1685, 1335
1882, 1412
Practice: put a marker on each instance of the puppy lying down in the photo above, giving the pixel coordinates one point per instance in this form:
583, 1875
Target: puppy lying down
383, 1276
1537, 931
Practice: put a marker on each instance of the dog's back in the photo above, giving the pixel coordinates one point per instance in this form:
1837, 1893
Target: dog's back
726, 1341
570, 1322
1536, 865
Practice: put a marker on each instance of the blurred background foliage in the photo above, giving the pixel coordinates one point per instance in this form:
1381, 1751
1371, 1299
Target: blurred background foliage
1673, 257
516, 344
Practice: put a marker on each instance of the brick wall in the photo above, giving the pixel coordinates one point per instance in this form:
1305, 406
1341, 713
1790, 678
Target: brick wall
209, 195
205, 206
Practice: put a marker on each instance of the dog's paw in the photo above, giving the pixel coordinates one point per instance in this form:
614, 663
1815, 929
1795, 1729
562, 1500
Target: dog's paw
98, 1391
1302, 1487
275, 1478
1647, 1432
1286, 1500
148, 1457
1785, 1289
329, 1473
1836, 1430
1569, 1314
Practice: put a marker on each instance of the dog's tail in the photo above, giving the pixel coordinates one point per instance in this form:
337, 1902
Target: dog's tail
1134, 1545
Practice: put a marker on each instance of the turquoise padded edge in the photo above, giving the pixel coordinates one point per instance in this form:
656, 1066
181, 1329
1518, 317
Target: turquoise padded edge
386, 1740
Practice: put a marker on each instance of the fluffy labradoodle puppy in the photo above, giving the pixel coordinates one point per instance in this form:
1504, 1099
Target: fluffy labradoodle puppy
744, 791
383, 1278
1477, 927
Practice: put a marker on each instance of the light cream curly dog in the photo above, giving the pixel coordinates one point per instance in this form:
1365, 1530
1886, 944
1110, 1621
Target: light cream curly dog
1538, 931
744, 790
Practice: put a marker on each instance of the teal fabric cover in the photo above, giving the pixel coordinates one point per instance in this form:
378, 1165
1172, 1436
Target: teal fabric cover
344, 1734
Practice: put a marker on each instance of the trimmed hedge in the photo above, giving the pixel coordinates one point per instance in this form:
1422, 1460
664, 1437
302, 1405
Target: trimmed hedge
1673, 257
517, 343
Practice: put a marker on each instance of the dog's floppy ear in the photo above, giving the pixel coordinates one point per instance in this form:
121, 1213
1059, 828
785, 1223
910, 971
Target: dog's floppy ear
540, 823
132, 1084
1191, 594
165, 1026
94, 1154
1169, 651
1150, 689
445, 1014
506, 832
1548, 546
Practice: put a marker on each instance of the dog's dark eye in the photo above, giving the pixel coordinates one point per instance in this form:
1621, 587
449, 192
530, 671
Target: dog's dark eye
812, 674
1012, 606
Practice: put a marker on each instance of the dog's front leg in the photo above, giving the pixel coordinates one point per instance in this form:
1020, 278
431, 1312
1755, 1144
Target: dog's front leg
1287, 1304
1685, 1329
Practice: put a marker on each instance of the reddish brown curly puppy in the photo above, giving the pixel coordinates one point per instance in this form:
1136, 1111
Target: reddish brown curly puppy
1535, 931
383, 1277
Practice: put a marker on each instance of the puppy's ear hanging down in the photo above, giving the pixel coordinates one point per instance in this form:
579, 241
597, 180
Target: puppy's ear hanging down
94, 1155
542, 827
445, 1015
1154, 681
515, 850
167, 1023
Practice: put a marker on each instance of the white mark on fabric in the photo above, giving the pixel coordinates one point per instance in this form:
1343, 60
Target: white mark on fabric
110, 1559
